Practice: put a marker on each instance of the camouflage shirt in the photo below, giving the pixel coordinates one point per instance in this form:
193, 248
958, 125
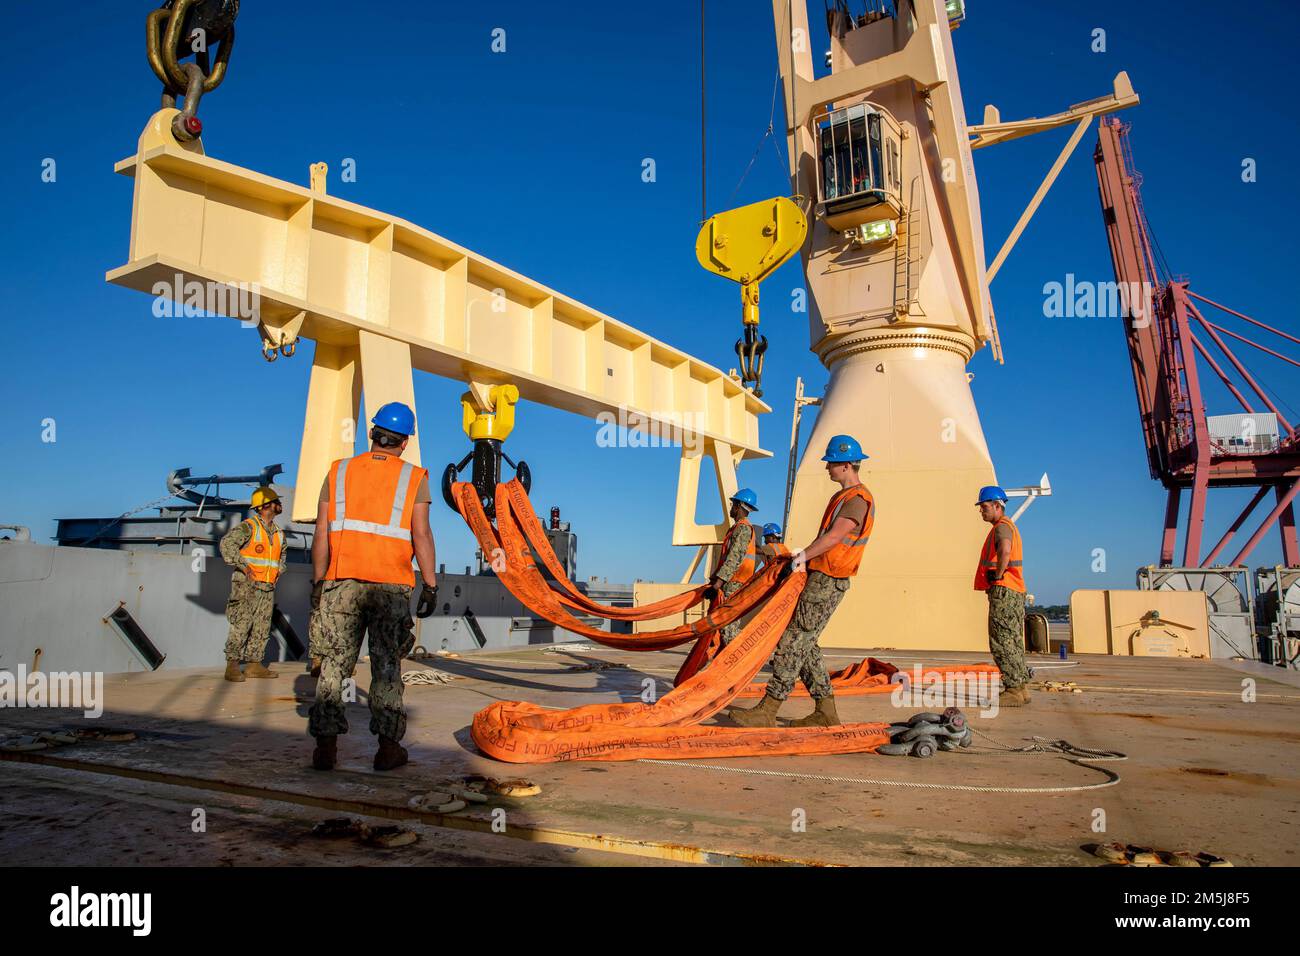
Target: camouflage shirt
735, 552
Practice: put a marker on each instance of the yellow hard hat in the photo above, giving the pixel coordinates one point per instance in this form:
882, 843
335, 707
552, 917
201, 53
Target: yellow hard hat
264, 496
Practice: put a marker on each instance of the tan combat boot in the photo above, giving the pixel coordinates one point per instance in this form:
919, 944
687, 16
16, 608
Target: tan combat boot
762, 715
326, 753
233, 674
1014, 697
823, 715
255, 669
390, 755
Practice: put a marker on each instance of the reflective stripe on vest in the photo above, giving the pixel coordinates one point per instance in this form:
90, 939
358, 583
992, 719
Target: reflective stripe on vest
844, 557
1014, 577
750, 562
371, 503
394, 527
262, 552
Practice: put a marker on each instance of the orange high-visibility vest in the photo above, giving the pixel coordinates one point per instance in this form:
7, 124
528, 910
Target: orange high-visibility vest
371, 500
779, 549
842, 560
262, 552
746, 569
1014, 578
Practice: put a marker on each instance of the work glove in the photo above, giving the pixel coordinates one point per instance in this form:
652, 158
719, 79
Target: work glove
316, 590
428, 601
992, 576
797, 562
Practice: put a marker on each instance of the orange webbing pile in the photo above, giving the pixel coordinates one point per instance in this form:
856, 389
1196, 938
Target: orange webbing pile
868, 676
519, 573
514, 509
518, 528
520, 732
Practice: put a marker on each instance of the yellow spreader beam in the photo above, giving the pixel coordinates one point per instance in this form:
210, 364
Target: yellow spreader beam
381, 297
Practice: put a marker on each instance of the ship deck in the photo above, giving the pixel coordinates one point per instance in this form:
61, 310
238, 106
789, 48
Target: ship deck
1205, 771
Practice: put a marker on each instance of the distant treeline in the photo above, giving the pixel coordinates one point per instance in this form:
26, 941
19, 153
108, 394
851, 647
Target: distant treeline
1053, 611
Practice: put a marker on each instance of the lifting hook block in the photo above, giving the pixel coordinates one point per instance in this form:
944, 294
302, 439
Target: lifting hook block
487, 429
496, 424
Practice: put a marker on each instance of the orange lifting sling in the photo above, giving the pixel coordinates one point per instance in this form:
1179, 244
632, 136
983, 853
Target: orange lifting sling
670, 728
868, 676
521, 732
521, 577
519, 510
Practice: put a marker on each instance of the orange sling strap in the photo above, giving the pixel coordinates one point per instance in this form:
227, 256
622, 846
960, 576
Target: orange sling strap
520, 732
868, 676
520, 575
518, 511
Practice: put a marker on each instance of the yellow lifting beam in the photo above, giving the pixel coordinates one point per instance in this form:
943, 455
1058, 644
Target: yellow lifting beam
382, 297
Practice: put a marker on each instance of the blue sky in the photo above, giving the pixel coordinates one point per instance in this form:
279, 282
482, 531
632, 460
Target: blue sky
533, 158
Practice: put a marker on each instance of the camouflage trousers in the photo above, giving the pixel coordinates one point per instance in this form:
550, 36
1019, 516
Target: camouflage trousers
728, 633
249, 613
349, 611
313, 634
797, 655
1007, 635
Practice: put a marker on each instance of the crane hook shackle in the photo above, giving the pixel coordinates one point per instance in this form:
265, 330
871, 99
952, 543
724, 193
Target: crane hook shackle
180, 28
750, 349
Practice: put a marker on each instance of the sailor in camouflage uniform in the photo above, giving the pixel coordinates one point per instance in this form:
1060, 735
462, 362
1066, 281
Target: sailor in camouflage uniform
738, 556
373, 517
772, 549
831, 561
1001, 575
255, 549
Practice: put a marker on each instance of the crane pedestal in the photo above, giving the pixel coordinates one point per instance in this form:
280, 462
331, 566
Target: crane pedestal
904, 394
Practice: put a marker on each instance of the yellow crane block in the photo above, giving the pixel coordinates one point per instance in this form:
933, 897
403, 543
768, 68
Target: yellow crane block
496, 424
748, 244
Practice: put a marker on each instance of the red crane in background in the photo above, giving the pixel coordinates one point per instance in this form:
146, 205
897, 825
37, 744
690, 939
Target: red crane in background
1184, 448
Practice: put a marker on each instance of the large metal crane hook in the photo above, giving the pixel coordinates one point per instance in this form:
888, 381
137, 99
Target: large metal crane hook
747, 245
749, 349
487, 430
181, 28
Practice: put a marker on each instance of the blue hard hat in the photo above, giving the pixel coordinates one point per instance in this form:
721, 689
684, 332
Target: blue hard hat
747, 498
771, 530
844, 448
992, 493
395, 417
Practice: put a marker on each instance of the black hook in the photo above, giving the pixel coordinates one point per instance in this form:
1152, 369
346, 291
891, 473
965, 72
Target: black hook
750, 350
